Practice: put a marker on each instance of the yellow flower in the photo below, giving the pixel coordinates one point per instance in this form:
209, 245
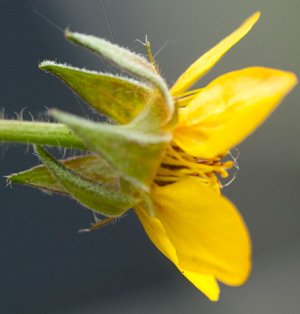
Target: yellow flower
162, 161
197, 228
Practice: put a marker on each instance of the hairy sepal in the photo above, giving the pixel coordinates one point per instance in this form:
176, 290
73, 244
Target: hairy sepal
119, 98
130, 62
91, 167
89, 193
136, 155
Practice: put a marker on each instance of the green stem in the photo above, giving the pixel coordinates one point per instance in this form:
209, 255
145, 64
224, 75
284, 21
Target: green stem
44, 133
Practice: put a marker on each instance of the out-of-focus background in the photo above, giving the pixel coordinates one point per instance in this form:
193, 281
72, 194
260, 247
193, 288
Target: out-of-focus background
45, 265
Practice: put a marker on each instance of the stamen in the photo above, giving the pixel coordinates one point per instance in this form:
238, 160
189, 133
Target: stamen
166, 179
224, 174
184, 98
177, 165
151, 58
188, 93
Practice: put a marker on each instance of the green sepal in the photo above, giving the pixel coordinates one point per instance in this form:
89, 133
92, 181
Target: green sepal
119, 98
91, 167
148, 120
130, 62
136, 155
87, 192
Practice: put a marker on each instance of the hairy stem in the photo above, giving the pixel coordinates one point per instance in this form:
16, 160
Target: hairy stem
44, 133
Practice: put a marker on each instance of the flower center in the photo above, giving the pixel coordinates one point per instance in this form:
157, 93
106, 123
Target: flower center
177, 165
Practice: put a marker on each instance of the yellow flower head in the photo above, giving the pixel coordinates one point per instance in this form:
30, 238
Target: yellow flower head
163, 156
199, 230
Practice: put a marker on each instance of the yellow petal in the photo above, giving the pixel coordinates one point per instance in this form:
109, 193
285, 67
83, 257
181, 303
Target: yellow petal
205, 62
206, 230
205, 283
229, 109
157, 234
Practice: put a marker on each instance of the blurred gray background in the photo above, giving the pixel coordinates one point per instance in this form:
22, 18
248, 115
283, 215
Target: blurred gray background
45, 265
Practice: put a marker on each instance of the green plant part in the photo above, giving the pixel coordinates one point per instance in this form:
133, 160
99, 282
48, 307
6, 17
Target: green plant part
123, 159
